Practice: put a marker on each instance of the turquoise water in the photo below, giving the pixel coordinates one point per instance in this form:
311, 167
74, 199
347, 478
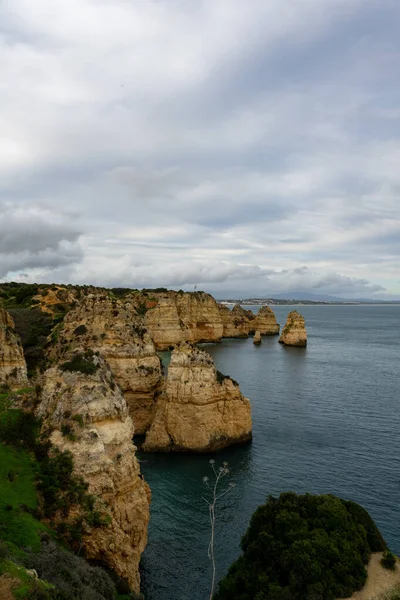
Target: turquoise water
326, 419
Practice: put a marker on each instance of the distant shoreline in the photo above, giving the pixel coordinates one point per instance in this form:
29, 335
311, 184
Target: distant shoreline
270, 302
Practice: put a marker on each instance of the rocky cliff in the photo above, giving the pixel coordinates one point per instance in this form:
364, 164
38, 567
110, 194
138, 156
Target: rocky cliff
87, 415
113, 328
236, 322
265, 322
201, 410
12, 362
179, 317
294, 332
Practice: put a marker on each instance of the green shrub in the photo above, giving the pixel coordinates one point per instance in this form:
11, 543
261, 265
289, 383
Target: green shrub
388, 560
221, 378
81, 363
302, 547
60, 488
19, 429
80, 330
72, 577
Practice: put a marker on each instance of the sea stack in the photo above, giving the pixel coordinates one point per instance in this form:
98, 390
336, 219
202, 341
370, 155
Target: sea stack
201, 410
265, 322
12, 362
294, 333
257, 338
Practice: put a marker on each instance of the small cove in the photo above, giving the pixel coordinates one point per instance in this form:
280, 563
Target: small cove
325, 419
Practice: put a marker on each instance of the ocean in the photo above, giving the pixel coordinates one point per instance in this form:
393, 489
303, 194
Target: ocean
326, 419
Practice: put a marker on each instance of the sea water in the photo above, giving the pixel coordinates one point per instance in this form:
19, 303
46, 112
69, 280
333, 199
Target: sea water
326, 419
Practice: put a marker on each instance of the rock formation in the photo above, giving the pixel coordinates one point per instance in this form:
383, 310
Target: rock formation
257, 338
201, 410
236, 322
294, 333
265, 322
12, 362
92, 409
112, 328
179, 317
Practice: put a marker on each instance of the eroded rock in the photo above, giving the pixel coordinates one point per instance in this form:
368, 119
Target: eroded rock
201, 410
88, 415
294, 332
13, 371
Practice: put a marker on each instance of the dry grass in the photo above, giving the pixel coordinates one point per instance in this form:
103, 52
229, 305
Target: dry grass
6, 587
382, 584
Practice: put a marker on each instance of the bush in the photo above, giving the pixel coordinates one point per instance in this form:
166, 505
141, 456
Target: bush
302, 547
71, 575
60, 488
80, 330
388, 560
19, 429
81, 363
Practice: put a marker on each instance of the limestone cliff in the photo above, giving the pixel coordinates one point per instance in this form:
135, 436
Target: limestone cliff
235, 321
12, 362
91, 412
294, 332
179, 317
265, 322
112, 328
201, 410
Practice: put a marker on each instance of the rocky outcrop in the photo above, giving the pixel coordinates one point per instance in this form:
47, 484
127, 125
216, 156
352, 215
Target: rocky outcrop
265, 322
201, 410
294, 333
112, 328
184, 317
236, 322
12, 362
87, 415
257, 338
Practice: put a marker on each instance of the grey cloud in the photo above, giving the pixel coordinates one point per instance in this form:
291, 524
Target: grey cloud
32, 237
34, 229
273, 145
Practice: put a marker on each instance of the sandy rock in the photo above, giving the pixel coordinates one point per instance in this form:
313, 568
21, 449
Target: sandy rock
257, 338
294, 332
113, 329
12, 361
201, 410
182, 316
265, 321
104, 455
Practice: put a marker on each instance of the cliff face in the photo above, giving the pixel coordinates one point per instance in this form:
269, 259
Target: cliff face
294, 332
12, 362
235, 321
113, 329
94, 409
201, 410
265, 322
178, 317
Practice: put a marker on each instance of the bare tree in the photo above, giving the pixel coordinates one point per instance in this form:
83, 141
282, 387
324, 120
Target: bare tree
216, 494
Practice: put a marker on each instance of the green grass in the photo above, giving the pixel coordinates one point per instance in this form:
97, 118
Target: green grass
17, 496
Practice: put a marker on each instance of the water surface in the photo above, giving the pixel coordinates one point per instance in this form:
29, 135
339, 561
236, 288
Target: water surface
325, 419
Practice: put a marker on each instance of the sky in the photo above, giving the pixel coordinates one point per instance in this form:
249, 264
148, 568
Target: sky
249, 146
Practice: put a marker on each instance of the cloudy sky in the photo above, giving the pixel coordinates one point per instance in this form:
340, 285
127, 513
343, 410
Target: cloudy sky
231, 145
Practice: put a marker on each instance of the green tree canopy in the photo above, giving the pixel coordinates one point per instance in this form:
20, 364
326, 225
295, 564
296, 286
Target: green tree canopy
303, 547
